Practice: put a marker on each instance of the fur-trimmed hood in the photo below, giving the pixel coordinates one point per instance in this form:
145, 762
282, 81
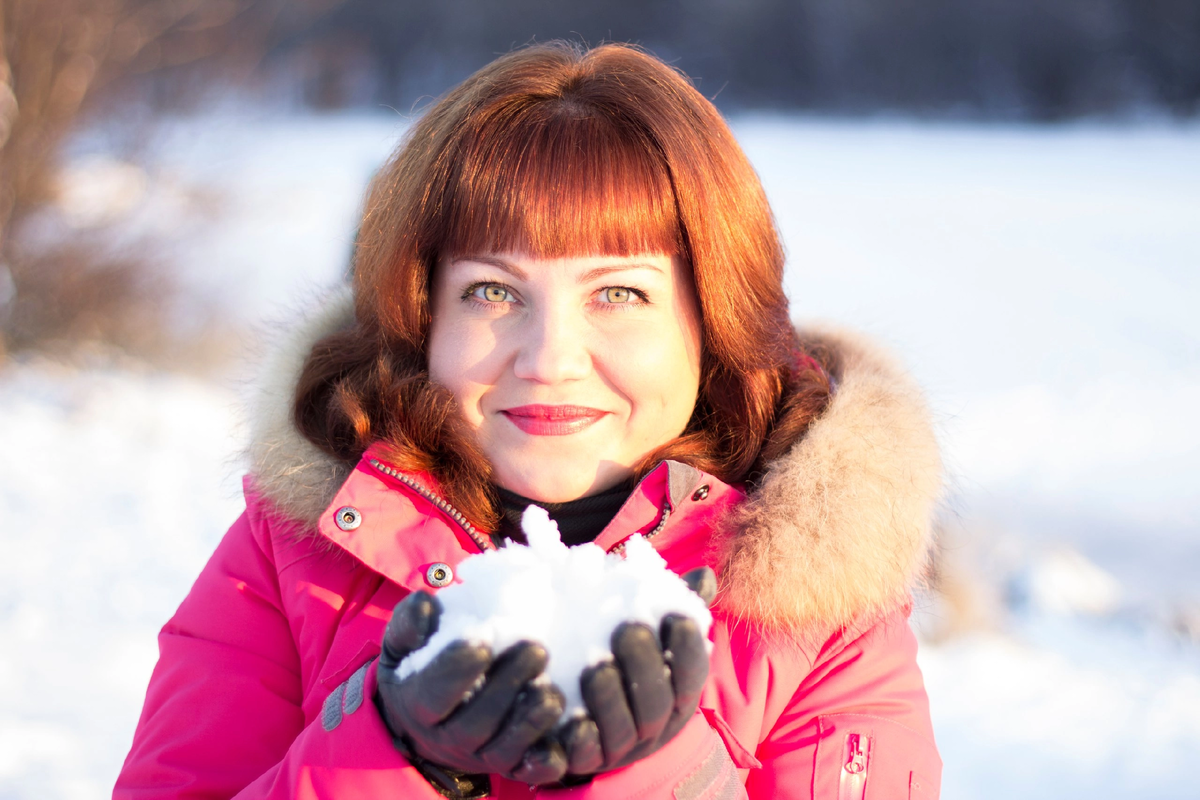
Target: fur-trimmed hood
837, 531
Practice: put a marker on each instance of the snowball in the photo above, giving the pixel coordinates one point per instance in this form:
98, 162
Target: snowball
570, 599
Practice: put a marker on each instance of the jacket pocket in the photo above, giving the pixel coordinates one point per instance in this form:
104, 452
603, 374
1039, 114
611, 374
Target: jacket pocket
864, 757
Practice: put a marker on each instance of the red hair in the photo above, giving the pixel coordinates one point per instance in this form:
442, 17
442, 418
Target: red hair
554, 151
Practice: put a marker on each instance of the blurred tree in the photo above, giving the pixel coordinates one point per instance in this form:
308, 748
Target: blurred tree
1165, 47
58, 59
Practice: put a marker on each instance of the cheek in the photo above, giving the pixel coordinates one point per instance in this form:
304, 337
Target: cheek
448, 357
661, 373
684, 359
441, 354
684, 382
464, 358
681, 386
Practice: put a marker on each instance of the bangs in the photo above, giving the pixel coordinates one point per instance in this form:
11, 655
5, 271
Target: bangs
556, 179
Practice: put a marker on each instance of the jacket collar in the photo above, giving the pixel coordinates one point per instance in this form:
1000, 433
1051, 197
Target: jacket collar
398, 525
837, 531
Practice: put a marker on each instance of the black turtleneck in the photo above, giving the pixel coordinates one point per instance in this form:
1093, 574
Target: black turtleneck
578, 521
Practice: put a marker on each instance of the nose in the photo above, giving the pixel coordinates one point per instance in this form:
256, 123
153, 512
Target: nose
553, 346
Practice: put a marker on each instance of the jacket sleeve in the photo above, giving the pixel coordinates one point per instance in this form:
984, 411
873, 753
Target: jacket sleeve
223, 714
858, 727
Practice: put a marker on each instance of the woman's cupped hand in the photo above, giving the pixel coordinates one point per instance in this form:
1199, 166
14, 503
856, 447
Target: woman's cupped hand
472, 711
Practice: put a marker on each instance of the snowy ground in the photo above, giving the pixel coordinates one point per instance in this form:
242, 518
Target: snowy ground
1039, 281
115, 487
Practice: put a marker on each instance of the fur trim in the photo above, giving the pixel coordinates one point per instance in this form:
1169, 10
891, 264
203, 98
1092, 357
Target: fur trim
836, 534
299, 479
840, 528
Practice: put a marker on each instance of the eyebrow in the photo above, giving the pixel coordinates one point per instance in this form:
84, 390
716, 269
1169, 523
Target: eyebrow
590, 275
498, 263
599, 272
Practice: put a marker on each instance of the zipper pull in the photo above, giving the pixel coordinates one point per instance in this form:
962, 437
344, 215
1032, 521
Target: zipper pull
852, 783
856, 759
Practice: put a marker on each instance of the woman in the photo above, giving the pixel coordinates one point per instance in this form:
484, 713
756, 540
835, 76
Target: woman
567, 290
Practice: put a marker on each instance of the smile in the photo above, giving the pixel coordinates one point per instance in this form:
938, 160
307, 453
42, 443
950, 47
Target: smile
552, 420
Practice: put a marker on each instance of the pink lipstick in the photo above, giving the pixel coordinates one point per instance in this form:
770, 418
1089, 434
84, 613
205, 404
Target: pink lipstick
552, 420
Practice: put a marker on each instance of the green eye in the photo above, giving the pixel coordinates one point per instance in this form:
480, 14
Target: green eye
616, 294
493, 293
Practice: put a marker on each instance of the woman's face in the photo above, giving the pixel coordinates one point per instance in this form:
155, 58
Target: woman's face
570, 370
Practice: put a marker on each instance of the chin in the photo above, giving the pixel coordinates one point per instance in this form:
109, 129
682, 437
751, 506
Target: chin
548, 489
557, 483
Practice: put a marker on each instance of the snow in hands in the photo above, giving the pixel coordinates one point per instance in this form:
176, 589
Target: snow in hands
570, 600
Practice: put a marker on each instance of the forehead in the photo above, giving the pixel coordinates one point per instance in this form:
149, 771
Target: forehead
552, 181
582, 268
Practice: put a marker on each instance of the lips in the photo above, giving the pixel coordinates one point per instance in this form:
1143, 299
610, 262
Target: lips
540, 420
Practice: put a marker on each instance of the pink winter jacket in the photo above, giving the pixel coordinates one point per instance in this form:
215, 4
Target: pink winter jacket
266, 673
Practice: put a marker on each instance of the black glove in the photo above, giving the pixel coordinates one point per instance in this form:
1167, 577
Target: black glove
467, 712
640, 700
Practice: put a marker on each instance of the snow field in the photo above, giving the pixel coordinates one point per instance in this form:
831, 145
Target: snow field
568, 599
1061, 707
115, 487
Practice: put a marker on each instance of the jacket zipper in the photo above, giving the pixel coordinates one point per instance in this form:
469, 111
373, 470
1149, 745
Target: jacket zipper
852, 783
447, 509
619, 547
